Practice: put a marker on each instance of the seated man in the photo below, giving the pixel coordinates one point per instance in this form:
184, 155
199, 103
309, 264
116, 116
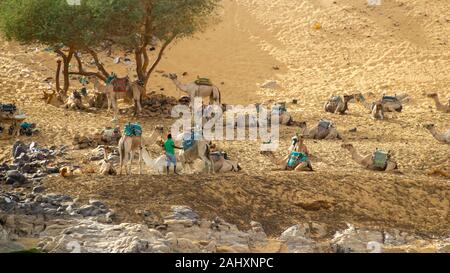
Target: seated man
298, 158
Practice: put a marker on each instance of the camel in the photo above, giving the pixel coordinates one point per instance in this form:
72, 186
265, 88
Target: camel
134, 91
222, 164
195, 90
128, 145
324, 130
439, 106
200, 149
368, 160
338, 104
389, 104
52, 98
444, 137
377, 111
158, 164
107, 166
74, 102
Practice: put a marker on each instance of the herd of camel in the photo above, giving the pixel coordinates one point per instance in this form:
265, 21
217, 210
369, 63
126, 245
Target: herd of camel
202, 148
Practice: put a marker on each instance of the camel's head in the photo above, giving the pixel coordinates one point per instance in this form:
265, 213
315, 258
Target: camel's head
48, 97
173, 76
347, 146
432, 95
429, 126
302, 124
348, 98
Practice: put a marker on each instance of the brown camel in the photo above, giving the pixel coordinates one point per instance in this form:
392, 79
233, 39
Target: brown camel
369, 161
338, 104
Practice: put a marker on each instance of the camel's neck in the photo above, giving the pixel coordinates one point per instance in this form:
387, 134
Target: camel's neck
356, 156
436, 135
437, 102
98, 85
180, 85
304, 130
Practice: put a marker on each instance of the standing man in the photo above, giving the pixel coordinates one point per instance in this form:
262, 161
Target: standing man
169, 149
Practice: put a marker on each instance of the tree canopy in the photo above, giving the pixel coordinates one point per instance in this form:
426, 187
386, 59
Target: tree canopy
131, 24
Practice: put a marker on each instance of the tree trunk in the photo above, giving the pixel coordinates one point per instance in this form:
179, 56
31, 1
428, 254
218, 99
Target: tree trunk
58, 72
158, 59
66, 71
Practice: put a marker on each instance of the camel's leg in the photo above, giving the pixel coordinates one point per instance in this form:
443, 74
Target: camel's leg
131, 161
333, 134
303, 167
140, 161
108, 97
115, 108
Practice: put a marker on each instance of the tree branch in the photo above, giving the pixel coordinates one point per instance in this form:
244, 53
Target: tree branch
100, 67
158, 59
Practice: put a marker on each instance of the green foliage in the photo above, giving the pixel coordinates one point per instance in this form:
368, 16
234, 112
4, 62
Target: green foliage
55, 21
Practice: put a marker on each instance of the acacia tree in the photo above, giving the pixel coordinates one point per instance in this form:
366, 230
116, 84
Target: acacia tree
133, 25
67, 29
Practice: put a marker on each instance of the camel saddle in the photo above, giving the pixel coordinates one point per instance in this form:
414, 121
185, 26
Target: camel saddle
390, 99
9, 108
295, 158
380, 159
203, 81
133, 129
120, 84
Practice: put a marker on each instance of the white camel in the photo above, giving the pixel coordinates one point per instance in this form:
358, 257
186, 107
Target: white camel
195, 90
128, 145
200, 149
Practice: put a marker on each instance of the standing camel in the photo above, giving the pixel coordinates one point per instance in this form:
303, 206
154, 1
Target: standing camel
444, 137
128, 145
439, 106
132, 91
368, 160
196, 90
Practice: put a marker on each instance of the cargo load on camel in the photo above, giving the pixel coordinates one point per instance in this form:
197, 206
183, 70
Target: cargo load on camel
133, 129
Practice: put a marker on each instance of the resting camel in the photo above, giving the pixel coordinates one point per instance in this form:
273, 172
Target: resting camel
439, 106
389, 105
52, 98
74, 102
340, 105
377, 110
134, 91
319, 132
367, 161
444, 137
200, 149
223, 165
128, 145
195, 90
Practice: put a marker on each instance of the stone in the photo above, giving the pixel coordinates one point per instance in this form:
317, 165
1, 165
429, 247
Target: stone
13, 177
357, 241
39, 189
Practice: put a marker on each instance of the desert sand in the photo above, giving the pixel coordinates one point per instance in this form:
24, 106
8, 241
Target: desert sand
397, 47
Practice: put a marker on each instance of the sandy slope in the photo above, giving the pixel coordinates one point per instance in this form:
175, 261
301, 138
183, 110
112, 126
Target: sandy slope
400, 46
